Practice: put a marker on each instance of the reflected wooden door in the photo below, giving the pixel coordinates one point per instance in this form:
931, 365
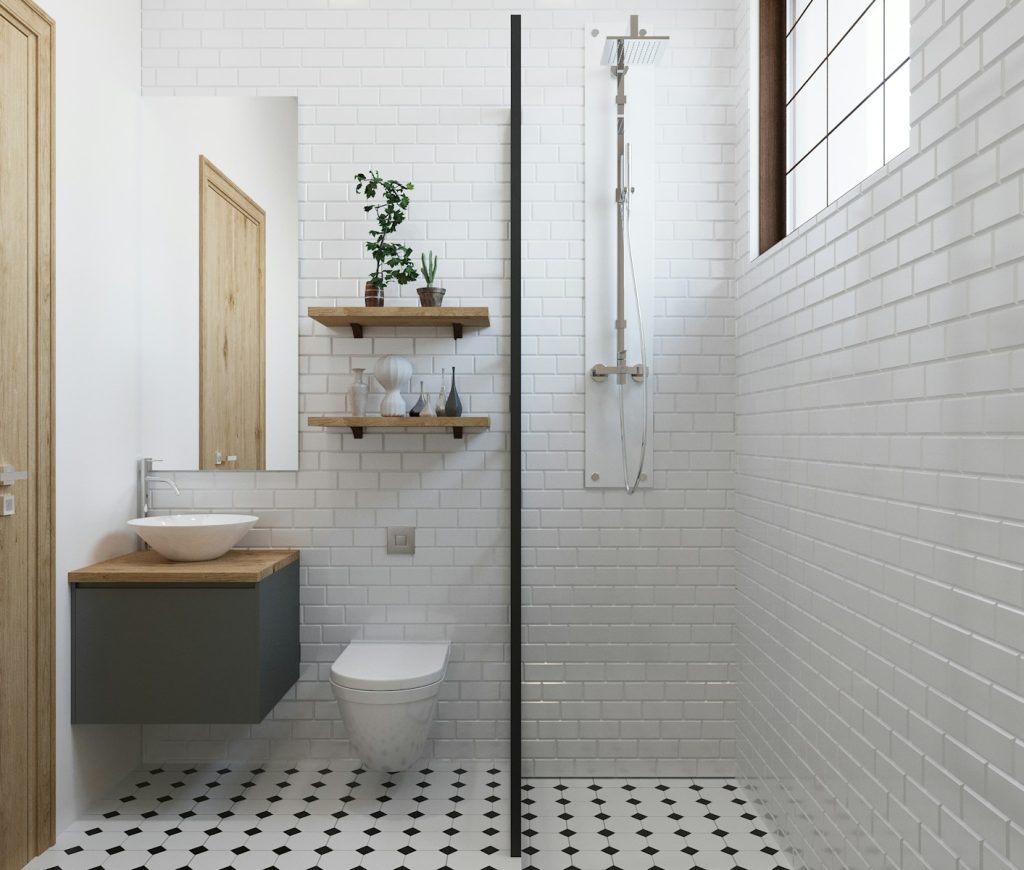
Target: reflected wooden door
232, 255
26, 434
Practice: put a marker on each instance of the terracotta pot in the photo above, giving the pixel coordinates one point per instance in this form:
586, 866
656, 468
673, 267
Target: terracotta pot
431, 297
373, 296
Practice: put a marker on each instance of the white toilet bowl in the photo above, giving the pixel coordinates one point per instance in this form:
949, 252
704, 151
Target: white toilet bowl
387, 693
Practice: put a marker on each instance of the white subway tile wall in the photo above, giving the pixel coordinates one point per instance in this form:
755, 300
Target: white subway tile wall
880, 480
879, 459
629, 653
629, 601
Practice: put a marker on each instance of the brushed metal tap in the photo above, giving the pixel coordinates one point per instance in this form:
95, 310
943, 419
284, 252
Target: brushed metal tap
146, 481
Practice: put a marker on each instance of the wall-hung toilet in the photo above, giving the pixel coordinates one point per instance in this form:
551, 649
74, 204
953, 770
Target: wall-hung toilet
387, 693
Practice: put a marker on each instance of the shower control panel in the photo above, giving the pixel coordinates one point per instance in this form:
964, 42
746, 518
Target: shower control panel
601, 372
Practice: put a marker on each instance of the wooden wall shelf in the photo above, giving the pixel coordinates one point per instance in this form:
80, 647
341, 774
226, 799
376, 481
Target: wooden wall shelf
359, 317
359, 425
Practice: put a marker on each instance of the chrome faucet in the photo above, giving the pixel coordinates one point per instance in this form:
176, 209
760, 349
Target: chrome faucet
145, 482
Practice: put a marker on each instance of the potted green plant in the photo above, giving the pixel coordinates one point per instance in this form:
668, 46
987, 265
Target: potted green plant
430, 296
388, 200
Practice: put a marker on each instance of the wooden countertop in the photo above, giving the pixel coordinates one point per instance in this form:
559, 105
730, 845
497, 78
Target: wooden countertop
148, 566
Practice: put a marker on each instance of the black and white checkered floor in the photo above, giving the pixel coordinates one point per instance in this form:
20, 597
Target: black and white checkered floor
250, 816
643, 824
253, 817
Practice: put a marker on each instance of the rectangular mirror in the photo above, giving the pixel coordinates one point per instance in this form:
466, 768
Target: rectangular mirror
219, 223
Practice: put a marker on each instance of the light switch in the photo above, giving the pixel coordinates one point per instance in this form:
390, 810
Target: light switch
402, 540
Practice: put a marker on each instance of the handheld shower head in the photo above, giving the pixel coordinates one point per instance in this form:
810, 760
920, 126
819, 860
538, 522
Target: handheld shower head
637, 49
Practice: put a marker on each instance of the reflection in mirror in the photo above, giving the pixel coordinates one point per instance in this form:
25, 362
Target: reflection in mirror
219, 306
232, 330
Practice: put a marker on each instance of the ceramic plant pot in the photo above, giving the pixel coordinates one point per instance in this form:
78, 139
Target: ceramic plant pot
357, 394
392, 371
373, 296
431, 297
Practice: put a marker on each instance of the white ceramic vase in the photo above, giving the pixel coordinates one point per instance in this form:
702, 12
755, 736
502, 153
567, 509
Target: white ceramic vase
392, 371
357, 394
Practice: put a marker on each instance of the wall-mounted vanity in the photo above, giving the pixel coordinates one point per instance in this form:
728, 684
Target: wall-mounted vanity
155, 641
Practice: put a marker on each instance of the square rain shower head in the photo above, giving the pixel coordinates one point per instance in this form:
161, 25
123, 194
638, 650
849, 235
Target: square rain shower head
633, 50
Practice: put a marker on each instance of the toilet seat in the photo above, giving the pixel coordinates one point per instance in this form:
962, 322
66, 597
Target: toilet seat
367, 667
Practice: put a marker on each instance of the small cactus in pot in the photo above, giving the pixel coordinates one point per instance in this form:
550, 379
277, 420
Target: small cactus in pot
430, 296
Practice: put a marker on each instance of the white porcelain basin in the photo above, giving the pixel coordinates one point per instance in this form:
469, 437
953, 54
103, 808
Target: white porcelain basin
193, 537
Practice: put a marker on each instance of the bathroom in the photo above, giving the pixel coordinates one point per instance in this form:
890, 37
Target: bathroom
794, 644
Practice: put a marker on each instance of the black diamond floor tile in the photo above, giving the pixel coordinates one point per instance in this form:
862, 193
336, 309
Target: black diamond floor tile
266, 816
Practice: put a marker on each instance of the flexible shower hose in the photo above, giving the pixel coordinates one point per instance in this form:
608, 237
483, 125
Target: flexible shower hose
631, 488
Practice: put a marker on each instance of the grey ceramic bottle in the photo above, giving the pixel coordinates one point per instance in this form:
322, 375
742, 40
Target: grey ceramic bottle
453, 407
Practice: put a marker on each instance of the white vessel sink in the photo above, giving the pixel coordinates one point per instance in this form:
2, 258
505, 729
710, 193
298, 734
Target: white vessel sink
193, 537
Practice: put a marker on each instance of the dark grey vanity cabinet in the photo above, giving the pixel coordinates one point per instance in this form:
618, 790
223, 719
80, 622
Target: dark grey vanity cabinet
173, 642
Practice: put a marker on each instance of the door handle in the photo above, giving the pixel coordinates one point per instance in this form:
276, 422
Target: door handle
220, 458
8, 476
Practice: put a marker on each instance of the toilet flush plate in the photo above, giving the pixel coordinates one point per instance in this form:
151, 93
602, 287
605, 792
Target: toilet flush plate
402, 540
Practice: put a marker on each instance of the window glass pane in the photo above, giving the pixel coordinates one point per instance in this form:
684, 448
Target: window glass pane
805, 46
805, 118
856, 66
897, 33
841, 15
847, 97
855, 147
794, 9
897, 112
805, 194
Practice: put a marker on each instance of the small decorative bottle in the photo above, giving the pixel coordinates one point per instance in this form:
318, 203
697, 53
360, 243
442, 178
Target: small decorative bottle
357, 394
442, 397
428, 406
421, 404
453, 407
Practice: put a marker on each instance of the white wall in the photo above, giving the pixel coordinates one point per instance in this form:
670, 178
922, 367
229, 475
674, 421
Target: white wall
254, 141
97, 390
629, 601
880, 482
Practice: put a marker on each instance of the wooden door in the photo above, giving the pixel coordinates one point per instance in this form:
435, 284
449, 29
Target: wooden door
232, 256
27, 580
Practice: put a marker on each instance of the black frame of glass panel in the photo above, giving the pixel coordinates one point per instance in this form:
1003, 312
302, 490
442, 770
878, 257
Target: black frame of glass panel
516, 438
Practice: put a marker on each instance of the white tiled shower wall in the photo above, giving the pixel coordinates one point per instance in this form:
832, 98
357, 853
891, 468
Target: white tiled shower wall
880, 481
629, 602
629, 599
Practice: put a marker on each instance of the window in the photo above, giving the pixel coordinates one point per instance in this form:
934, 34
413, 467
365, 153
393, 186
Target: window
836, 109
